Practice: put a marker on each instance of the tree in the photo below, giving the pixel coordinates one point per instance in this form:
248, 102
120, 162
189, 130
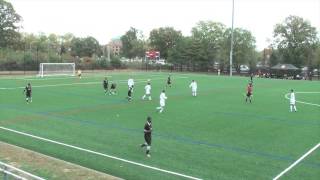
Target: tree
211, 36
296, 41
243, 47
9, 20
163, 39
85, 47
132, 44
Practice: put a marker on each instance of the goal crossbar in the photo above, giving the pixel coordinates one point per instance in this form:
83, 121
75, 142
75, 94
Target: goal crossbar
56, 69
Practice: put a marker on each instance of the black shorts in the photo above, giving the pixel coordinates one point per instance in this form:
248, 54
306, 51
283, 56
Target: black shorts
249, 94
169, 82
105, 87
147, 138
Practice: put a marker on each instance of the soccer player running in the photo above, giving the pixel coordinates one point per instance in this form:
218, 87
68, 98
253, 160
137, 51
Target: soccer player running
113, 90
292, 101
193, 87
28, 91
105, 85
130, 94
147, 89
249, 92
163, 98
169, 81
251, 77
79, 73
130, 83
147, 136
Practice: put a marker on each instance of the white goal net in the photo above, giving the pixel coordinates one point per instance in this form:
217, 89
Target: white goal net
57, 69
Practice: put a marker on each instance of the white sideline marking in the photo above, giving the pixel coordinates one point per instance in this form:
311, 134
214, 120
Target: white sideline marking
21, 171
302, 102
100, 154
297, 161
85, 83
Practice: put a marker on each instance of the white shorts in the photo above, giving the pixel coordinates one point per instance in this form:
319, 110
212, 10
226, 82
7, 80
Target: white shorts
162, 104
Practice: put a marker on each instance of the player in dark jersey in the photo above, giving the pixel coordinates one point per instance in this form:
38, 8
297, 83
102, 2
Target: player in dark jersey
147, 136
28, 92
249, 92
130, 93
105, 85
169, 81
251, 77
113, 89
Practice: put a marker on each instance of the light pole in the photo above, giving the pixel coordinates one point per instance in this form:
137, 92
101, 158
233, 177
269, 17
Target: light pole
231, 48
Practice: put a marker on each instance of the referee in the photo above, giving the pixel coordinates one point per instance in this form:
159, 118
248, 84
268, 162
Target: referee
147, 136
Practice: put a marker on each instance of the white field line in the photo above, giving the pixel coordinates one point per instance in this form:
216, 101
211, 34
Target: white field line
98, 153
302, 102
84, 83
57, 78
32, 78
296, 162
12, 174
21, 171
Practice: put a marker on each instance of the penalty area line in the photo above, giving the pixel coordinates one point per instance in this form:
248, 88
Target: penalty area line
98, 153
296, 162
302, 102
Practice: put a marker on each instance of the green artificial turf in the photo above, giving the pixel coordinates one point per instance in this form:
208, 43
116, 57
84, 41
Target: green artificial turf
215, 135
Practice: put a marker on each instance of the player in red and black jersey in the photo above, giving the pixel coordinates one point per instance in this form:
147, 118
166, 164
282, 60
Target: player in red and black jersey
28, 91
147, 136
249, 92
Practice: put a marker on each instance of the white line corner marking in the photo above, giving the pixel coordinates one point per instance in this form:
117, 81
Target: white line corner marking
297, 161
302, 102
100, 154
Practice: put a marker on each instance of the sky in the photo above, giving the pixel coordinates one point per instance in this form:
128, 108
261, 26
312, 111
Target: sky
107, 19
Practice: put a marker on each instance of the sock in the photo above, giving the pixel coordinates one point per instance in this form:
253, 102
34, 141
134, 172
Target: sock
161, 109
295, 109
290, 108
143, 96
149, 98
148, 150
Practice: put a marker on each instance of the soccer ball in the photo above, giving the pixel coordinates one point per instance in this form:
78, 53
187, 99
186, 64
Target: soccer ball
149, 80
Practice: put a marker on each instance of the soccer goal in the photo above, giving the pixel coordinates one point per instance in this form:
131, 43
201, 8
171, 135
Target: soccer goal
57, 69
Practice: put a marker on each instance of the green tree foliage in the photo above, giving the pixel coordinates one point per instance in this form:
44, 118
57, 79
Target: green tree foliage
243, 47
85, 47
211, 36
296, 41
133, 44
9, 20
163, 39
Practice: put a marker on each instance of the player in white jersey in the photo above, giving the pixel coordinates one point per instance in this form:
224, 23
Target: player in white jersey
130, 84
292, 101
163, 98
147, 88
193, 87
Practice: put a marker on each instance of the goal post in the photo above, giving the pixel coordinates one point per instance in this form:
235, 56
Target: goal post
57, 69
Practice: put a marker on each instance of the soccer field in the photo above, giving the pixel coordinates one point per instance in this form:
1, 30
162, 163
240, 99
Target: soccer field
215, 135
